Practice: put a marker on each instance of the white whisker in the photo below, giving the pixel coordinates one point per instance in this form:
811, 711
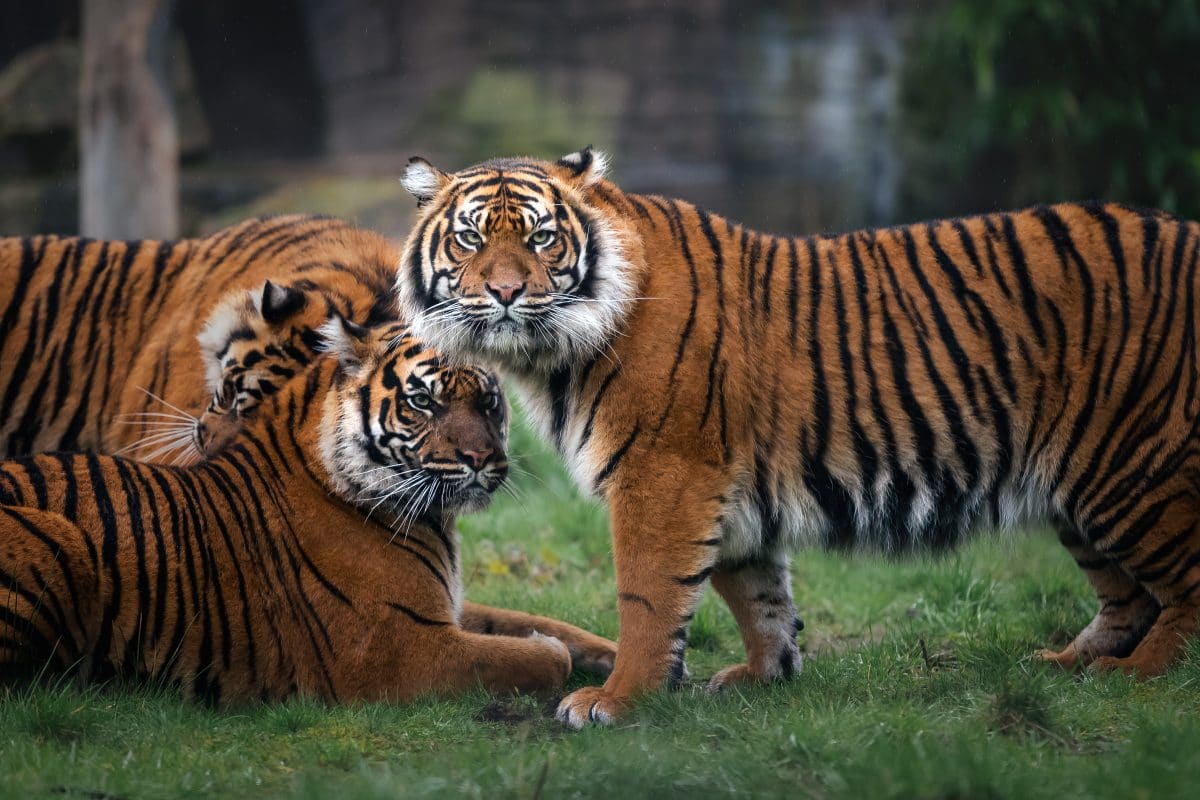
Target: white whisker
165, 403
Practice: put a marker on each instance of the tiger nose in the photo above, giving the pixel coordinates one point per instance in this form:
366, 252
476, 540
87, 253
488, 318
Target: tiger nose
506, 293
476, 458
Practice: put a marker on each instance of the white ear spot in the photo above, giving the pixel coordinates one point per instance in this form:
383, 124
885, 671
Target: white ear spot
334, 339
231, 314
343, 340
422, 180
588, 165
599, 167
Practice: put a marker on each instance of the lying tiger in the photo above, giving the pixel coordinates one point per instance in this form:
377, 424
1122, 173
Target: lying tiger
733, 394
101, 341
260, 573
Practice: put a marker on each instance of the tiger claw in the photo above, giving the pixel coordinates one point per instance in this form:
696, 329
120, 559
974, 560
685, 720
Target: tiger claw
591, 705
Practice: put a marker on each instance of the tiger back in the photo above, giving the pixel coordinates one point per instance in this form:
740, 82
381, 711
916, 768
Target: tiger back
99, 339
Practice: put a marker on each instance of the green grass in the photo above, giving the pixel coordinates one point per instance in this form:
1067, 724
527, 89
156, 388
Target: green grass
918, 683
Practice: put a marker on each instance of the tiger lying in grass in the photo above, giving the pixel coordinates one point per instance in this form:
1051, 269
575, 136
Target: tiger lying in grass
315, 554
733, 394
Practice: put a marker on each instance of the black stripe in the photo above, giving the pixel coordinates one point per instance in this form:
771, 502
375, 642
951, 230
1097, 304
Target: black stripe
558, 384
414, 616
695, 580
615, 459
1029, 299
595, 407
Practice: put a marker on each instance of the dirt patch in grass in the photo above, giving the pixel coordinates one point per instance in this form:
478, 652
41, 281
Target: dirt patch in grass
507, 713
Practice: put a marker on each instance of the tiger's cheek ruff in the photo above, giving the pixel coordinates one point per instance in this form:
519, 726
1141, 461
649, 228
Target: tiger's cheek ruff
352, 450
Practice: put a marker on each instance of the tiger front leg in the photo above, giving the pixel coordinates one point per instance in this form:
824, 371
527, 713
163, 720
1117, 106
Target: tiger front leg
759, 593
451, 661
664, 548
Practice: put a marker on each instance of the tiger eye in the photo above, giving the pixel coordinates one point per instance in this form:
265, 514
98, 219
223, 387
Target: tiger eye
470, 238
542, 237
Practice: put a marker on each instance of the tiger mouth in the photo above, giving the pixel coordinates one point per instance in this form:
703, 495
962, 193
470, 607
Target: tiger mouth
439, 493
468, 498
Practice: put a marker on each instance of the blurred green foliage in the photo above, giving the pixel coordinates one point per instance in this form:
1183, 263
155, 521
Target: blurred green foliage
1012, 102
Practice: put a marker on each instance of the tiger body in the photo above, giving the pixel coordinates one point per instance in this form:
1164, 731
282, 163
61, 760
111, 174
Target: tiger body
99, 339
895, 389
259, 574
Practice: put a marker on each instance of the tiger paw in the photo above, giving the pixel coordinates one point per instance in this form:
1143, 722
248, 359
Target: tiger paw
1131, 666
593, 654
738, 674
592, 704
1068, 659
559, 657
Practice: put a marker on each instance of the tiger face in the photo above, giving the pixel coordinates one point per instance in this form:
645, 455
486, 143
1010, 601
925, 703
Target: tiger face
253, 344
509, 261
405, 432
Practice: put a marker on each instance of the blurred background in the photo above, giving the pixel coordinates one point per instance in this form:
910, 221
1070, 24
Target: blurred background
173, 117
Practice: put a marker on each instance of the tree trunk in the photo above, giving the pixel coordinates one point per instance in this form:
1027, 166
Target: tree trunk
128, 148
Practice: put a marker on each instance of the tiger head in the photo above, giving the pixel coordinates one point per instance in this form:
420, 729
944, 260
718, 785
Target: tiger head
405, 432
253, 343
513, 261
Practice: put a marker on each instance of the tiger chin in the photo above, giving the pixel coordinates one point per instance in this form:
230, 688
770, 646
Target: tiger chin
734, 395
315, 554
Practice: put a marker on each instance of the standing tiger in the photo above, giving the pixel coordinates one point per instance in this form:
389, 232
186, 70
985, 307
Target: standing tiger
733, 394
315, 554
99, 341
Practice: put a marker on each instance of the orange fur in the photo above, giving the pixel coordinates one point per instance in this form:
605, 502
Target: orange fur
732, 394
260, 574
92, 333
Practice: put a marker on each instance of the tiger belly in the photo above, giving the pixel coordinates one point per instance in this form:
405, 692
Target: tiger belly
757, 522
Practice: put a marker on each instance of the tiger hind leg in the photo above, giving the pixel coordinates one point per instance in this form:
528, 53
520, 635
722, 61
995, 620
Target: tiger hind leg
1126, 612
1165, 560
759, 593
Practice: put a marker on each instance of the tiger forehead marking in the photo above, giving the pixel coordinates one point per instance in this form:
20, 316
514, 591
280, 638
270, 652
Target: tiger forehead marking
504, 200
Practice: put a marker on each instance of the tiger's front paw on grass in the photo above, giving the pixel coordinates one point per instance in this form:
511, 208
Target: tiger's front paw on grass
558, 660
590, 705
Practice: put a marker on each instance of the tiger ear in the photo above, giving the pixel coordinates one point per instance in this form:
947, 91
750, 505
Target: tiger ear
346, 341
423, 180
280, 302
584, 167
